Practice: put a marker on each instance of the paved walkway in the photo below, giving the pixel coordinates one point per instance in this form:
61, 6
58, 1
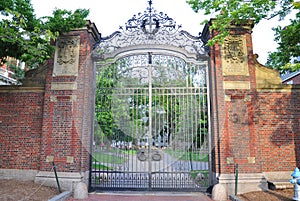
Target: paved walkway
140, 196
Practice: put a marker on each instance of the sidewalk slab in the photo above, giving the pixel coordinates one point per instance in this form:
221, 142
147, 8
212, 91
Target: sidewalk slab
147, 196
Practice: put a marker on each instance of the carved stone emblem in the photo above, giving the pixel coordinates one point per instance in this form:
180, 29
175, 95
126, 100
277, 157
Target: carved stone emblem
233, 50
66, 52
66, 56
234, 56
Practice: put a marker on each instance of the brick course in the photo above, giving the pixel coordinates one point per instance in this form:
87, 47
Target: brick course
277, 116
20, 129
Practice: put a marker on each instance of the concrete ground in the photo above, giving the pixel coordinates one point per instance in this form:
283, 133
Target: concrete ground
141, 196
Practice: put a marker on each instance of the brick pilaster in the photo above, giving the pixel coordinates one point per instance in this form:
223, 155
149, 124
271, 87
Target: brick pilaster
68, 103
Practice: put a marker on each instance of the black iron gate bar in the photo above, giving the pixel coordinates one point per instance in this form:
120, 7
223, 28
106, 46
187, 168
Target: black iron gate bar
126, 178
152, 125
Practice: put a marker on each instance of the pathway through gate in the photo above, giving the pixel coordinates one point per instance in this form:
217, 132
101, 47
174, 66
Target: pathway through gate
152, 128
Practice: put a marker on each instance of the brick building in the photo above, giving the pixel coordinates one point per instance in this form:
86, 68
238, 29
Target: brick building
291, 78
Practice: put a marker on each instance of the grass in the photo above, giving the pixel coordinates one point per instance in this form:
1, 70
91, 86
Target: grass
101, 167
188, 155
130, 151
108, 158
101, 157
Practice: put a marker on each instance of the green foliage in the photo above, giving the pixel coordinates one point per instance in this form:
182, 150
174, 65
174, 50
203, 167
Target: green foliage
230, 12
106, 81
138, 107
202, 127
64, 20
19, 73
27, 38
288, 39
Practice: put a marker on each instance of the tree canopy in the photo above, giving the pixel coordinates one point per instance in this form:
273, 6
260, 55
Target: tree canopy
227, 12
27, 38
286, 58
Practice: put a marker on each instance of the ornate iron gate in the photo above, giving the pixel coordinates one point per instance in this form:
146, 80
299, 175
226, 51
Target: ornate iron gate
151, 129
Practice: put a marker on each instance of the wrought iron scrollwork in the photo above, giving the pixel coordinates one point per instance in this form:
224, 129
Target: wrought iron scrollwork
150, 22
151, 28
143, 154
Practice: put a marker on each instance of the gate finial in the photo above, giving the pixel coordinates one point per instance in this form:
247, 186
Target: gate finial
150, 5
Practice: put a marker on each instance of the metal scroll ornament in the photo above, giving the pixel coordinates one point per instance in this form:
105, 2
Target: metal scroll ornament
143, 154
151, 28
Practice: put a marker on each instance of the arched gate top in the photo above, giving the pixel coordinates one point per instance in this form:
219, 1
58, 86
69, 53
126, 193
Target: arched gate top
150, 31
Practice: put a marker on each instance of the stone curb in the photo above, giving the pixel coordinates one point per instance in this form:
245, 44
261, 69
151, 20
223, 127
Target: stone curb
61, 197
234, 198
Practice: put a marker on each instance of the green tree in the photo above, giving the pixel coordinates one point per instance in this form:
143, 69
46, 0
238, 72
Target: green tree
105, 81
228, 12
27, 38
288, 39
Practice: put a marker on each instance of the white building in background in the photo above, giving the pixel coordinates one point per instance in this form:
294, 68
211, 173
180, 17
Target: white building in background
6, 75
292, 77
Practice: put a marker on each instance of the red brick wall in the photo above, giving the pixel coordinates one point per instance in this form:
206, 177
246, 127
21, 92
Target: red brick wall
217, 104
56, 123
68, 114
20, 128
255, 128
234, 136
277, 121
296, 80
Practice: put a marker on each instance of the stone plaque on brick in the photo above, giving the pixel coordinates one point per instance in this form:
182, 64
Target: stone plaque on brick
236, 84
230, 160
49, 159
70, 159
251, 160
234, 56
66, 56
64, 86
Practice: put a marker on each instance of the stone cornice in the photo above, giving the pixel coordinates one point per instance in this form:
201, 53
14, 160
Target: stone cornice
20, 89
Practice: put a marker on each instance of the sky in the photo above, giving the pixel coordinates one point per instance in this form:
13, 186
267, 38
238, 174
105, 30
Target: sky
108, 15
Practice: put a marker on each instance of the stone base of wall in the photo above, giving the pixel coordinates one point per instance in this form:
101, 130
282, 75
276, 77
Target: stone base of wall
246, 183
67, 180
279, 180
23, 175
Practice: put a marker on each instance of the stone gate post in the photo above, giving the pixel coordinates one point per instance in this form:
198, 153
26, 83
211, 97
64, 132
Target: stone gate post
232, 84
69, 110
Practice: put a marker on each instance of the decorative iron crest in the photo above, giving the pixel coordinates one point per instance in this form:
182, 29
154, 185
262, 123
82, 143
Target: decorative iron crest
151, 28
